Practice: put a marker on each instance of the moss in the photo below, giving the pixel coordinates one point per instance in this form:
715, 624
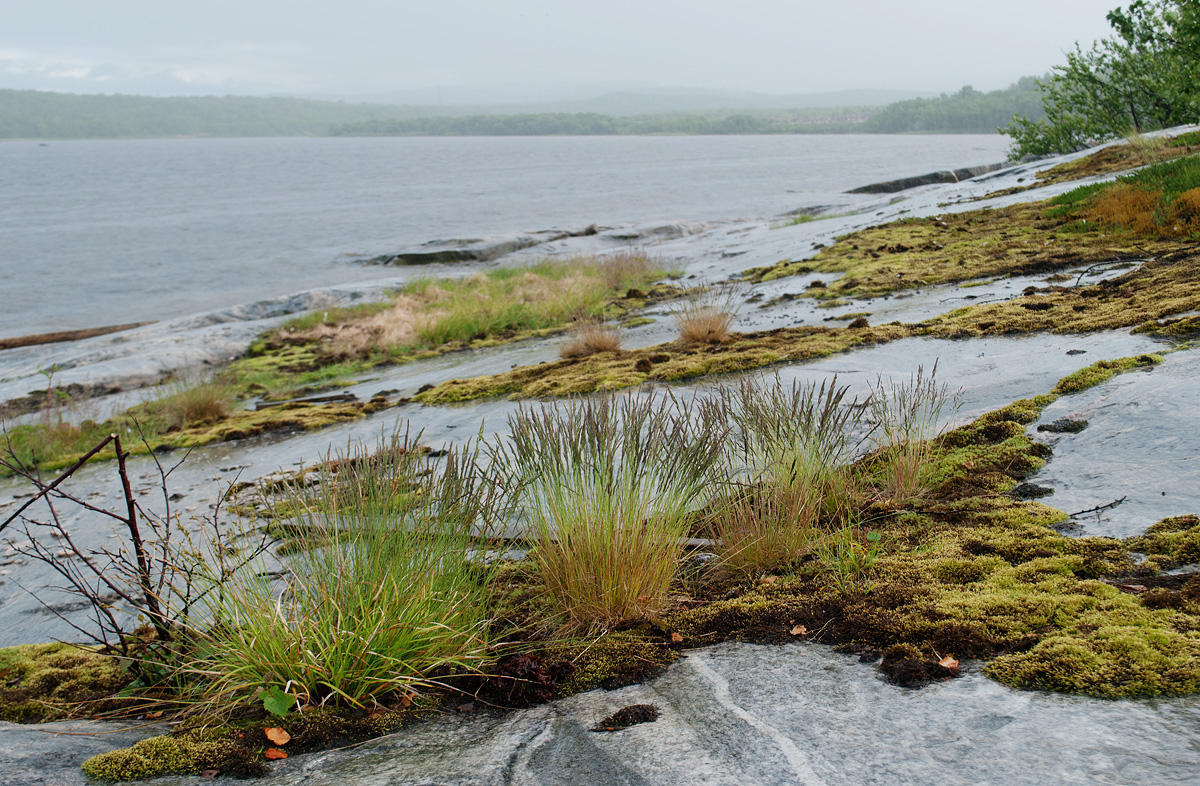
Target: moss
236, 748
664, 363
40, 682
1175, 541
163, 755
1103, 371
957, 248
612, 662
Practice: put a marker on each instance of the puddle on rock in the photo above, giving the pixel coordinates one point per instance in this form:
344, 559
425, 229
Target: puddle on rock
1142, 443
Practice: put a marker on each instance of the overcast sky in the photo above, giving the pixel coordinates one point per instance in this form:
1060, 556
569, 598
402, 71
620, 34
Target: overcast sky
361, 47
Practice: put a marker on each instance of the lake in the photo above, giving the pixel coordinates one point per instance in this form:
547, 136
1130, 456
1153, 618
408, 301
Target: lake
103, 232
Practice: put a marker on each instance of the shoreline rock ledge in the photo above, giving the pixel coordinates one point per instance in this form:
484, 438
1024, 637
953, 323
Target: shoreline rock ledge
945, 176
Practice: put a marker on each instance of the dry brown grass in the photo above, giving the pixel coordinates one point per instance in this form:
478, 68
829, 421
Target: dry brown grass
397, 326
706, 316
590, 338
1128, 206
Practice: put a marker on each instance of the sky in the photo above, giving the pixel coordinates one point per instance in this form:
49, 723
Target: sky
359, 48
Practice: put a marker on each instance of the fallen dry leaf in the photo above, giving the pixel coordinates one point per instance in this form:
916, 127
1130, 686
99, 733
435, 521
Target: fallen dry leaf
1134, 588
948, 662
209, 773
968, 465
153, 715
799, 630
676, 638
769, 579
277, 735
274, 753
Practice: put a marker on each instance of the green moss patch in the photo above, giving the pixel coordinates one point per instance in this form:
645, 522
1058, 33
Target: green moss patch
1026, 239
239, 748
665, 363
41, 682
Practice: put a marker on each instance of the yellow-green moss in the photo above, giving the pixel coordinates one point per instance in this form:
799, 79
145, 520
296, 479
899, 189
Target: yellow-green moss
665, 363
1101, 372
612, 662
956, 248
46, 681
163, 755
236, 748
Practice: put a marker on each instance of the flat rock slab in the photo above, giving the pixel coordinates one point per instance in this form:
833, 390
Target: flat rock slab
50, 754
741, 715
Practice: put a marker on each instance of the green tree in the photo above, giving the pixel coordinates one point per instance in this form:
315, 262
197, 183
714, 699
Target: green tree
1145, 76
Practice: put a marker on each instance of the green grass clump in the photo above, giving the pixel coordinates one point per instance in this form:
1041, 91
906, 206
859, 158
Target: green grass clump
382, 596
789, 462
438, 315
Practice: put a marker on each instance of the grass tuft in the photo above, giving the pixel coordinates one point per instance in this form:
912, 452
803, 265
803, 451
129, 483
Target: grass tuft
706, 316
380, 594
591, 337
906, 417
609, 486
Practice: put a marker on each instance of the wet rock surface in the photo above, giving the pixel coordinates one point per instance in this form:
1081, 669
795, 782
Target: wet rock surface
945, 176
746, 716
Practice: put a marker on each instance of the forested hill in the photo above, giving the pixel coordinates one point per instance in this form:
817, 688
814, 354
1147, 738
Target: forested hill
33, 114
29, 114
968, 110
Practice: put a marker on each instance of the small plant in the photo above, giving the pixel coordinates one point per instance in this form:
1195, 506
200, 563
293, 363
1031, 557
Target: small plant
590, 338
706, 315
609, 486
849, 553
383, 594
906, 417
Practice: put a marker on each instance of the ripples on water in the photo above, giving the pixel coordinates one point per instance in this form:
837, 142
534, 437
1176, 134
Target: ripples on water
105, 232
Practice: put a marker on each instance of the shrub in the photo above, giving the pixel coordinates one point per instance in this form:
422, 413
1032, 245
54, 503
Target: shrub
609, 486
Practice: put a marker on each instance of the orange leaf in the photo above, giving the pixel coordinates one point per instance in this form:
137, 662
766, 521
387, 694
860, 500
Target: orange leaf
799, 630
769, 579
274, 753
948, 662
154, 715
676, 638
277, 735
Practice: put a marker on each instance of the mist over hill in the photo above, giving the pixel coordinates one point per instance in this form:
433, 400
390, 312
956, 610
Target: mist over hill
31, 114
